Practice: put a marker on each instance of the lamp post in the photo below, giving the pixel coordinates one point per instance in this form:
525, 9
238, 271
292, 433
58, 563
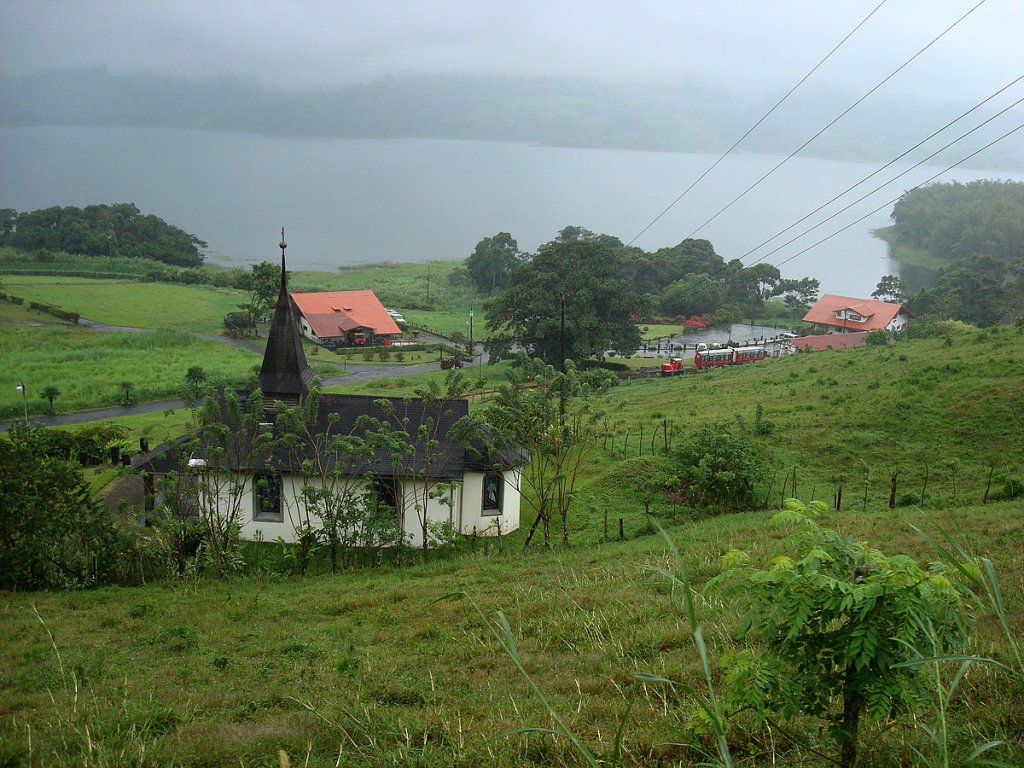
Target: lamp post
24, 397
472, 350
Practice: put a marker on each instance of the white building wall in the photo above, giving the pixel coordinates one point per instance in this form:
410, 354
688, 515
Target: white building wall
898, 323
460, 504
472, 519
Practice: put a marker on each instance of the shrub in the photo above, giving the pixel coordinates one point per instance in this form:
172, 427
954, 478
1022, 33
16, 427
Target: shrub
841, 625
719, 468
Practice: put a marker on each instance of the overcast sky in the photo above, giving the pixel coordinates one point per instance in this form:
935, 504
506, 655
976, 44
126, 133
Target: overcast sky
757, 44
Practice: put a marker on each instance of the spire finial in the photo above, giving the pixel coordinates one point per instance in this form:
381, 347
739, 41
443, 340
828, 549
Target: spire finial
284, 278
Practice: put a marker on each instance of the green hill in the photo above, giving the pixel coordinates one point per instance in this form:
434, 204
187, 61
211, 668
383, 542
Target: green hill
370, 668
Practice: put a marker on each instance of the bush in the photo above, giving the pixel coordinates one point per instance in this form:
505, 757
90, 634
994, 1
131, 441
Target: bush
719, 468
54, 534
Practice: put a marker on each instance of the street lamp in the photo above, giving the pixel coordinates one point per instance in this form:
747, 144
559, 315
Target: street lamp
472, 350
24, 396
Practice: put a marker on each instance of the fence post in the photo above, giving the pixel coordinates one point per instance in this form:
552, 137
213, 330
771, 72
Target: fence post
892, 491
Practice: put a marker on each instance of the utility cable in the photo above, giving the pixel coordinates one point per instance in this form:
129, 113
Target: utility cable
896, 199
750, 130
835, 120
882, 168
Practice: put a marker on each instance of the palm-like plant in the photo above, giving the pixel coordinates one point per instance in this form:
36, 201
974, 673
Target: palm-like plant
50, 393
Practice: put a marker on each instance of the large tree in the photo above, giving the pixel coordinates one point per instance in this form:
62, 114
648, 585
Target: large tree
695, 294
492, 261
570, 298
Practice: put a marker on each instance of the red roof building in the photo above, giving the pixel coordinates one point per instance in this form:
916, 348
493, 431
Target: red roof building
344, 317
843, 314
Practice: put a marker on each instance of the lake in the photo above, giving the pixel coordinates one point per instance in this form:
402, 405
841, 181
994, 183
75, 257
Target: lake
369, 201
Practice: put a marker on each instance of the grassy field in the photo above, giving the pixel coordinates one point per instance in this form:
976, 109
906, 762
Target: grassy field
88, 367
367, 668
130, 303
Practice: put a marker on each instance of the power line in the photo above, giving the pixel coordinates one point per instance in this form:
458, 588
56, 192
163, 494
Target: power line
882, 168
764, 117
835, 120
896, 199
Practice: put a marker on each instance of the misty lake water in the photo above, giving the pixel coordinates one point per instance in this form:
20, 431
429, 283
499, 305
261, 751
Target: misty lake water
370, 201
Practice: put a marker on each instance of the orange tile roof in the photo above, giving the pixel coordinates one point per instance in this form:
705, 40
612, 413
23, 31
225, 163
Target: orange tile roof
878, 313
334, 313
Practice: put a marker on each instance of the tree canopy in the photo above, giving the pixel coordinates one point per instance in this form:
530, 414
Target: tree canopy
492, 261
580, 281
120, 229
977, 229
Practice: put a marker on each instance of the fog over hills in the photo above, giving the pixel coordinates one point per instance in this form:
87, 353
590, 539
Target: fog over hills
561, 111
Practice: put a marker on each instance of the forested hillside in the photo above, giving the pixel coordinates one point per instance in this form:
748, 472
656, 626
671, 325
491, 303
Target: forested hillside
976, 232
118, 230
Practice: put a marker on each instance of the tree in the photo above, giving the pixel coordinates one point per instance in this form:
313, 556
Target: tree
333, 503
695, 294
492, 261
890, 288
837, 620
263, 284
126, 387
720, 468
50, 393
572, 297
412, 433
231, 446
52, 534
799, 294
554, 416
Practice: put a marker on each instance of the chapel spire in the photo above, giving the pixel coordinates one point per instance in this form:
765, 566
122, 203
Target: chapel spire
285, 375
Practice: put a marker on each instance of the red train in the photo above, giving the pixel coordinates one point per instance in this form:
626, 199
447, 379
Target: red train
709, 358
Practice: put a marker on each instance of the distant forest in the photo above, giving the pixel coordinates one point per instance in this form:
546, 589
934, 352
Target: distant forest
119, 230
978, 230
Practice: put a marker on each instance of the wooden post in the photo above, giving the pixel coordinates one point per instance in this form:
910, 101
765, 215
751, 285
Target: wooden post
770, 486
622, 532
892, 490
606, 523
839, 498
924, 487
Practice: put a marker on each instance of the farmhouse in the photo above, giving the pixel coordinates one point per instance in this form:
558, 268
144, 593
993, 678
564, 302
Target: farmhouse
344, 318
843, 314
429, 468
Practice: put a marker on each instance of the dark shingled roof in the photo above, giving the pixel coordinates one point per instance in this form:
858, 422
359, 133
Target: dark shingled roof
343, 415
285, 374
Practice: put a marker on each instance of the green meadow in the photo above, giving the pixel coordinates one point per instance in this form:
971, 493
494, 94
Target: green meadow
131, 303
89, 367
375, 667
